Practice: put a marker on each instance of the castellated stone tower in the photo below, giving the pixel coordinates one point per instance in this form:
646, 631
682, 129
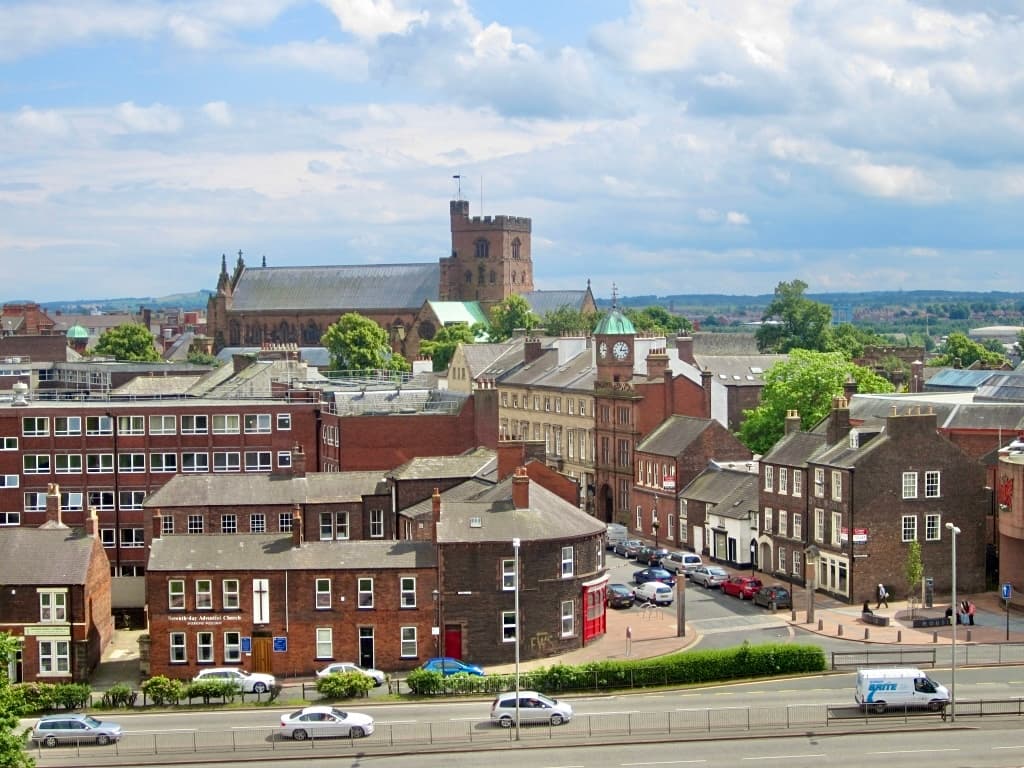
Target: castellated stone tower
490, 259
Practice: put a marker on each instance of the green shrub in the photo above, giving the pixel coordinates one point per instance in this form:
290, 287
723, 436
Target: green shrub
163, 691
32, 698
71, 695
344, 686
208, 690
119, 695
425, 682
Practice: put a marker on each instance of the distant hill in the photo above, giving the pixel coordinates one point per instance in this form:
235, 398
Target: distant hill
185, 301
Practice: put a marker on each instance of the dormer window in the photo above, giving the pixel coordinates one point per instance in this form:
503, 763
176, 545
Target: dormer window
854, 439
482, 248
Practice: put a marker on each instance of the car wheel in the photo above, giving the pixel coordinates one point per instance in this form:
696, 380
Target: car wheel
259, 688
103, 739
506, 721
299, 735
557, 720
357, 732
879, 708
935, 706
50, 741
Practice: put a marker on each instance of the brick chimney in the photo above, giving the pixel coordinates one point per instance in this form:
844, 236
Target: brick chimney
849, 388
705, 382
296, 526
684, 346
838, 421
158, 525
435, 507
531, 349
53, 505
298, 461
792, 421
92, 524
521, 489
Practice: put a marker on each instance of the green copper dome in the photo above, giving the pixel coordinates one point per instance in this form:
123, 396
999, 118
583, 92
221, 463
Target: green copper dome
615, 324
77, 332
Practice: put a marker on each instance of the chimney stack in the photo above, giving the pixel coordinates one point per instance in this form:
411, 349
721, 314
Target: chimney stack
53, 505
684, 346
297, 526
792, 422
92, 524
838, 421
158, 525
521, 489
435, 506
531, 349
298, 461
706, 377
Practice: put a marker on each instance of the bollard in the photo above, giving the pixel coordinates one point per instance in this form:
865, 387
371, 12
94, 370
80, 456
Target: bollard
935, 637
821, 625
968, 635
840, 632
867, 633
792, 614
899, 635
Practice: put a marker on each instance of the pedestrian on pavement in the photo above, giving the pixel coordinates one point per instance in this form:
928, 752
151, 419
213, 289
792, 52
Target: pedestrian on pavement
883, 597
949, 615
964, 610
970, 612
866, 608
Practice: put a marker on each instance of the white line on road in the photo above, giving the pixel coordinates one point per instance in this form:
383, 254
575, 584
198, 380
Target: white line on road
1019, 747
913, 751
785, 757
669, 762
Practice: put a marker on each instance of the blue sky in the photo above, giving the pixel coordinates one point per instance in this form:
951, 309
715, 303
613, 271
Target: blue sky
664, 146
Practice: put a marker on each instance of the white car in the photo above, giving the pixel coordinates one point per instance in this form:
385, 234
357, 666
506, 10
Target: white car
248, 682
533, 708
345, 667
654, 592
325, 722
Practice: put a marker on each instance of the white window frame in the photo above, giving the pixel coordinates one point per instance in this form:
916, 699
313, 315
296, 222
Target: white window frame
36, 464
229, 523
195, 424
131, 463
54, 657
226, 424
932, 484
161, 462
407, 591
99, 463
230, 591
322, 600
196, 524
933, 526
131, 425
256, 423
798, 526
53, 606
508, 626
259, 461
783, 523
769, 520
365, 592
324, 643
376, 523
195, 461
67, 463
285, 521
284, 422
257, 522
204, 594
783, 480
131, 500
176, 595
177, 644
910, 485
133, 538
232, 646
568, 620
819, 482
409, 645
35, 426
67, 426
227, 461
837, 528
341, 526
163, 424
769, 477
204, 647
508, 574
96, 426
908, 528
837, 485
798, 482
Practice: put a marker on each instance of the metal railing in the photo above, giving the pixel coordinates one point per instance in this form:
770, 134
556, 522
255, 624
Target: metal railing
938, 656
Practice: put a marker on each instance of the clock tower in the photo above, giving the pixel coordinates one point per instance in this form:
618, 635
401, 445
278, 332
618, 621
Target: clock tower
615, 339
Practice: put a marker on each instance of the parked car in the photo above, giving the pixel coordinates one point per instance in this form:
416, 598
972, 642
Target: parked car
619, 596
345, 667
72, 728
681, 562
743, 587
651, 556
533, 708
709, 576
448, 665
615, 533
627, 548
776, 593
654, 574
654, 592
248, 682
325, 722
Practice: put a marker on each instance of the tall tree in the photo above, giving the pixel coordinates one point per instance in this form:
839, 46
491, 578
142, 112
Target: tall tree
657, 319
445, 342
851, 340
913, 569
792, 321
566, 321
959, 347
510, 315
356, 343
806, 382
131, 341
12, 743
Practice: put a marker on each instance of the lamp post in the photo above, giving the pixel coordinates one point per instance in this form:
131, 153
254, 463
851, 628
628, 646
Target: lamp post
515, 548
753, 556
954, 531
436, 629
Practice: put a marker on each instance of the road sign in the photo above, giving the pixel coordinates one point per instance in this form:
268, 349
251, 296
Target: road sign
1007, 591
280, 644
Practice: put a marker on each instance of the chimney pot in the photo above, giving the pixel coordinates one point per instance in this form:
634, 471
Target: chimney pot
297, 526
521, 489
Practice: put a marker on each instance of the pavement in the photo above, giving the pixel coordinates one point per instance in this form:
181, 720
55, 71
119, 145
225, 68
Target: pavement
653, 632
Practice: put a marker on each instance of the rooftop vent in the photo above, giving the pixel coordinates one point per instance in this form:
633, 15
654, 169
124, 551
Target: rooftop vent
475, 522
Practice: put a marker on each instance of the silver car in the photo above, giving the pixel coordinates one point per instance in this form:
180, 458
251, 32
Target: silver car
325, 722
533, 708
709, 576
346, 667
247, 682
52, 730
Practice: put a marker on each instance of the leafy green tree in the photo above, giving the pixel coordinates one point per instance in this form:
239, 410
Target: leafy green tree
203, 358
131, 341
1020, 342
12, 743
567, 321
657, 319
913, 569
356, 343
806, 382
512, 314
851, 340
792, 321
445, 342
959, 347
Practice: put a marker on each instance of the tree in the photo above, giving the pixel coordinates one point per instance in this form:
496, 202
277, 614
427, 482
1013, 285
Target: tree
806, 382
913, 568
131, 341
792, 321
445, 342
356, 343
851, 340
203, 358
568, 321
12, 743
959, 347
512, 314
657, 319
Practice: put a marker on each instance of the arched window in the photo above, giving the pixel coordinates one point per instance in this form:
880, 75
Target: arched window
515, 249
482, 248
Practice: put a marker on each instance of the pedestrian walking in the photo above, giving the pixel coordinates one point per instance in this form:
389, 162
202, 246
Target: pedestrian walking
963, 611
883, 597
970, 612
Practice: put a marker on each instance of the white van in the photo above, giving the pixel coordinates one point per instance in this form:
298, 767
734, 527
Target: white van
681, 562
614, 534
898, 687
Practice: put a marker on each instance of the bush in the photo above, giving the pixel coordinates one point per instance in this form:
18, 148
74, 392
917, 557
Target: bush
425, 682
207, 690
119, 695
32, 698
344, 686
71, 695
163, 691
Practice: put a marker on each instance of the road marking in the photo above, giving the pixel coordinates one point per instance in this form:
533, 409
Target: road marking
669, 762
785, 757
913, 751
1019, 747
398, 722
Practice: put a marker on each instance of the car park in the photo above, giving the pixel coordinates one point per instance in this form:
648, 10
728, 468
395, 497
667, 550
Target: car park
743, 587
681, 562
775, 594
654, 574
709, 576
247, 682
619, 596
73, 728
654, 592
651, 556
325, 722
448, 665
347, 667
534, 707
627, 548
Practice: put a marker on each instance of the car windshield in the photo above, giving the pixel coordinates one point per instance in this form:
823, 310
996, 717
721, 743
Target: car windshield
91, 721
716, 571
339, 713
546, 700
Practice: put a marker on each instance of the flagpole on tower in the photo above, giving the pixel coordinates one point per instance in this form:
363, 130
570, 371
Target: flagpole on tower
458, 179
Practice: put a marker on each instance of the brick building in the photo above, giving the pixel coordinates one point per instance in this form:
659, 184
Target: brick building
1010, 500
55, 598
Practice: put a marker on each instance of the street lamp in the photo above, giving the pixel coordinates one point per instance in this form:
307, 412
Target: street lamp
436, 629
954, 531
753, 556
515, 547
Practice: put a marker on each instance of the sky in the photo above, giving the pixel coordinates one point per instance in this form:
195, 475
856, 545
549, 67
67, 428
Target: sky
659, 146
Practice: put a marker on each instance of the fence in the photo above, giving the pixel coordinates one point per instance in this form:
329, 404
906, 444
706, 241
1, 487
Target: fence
966, 656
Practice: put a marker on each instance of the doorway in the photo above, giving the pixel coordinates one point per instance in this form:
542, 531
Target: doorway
366, 647
453, 640
262, 648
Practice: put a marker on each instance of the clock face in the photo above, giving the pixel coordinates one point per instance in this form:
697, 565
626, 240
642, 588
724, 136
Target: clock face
603, 350
620, 350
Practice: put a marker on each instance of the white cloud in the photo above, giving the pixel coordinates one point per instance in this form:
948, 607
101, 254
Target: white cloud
50, 122
154, 119
737, 219
896, 181
218, 112
368, 20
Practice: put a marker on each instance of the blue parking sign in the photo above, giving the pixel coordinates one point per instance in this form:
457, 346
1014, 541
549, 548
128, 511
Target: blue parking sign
1007, 591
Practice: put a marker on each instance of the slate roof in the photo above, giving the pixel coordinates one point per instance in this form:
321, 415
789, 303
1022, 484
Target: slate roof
795, 449
152, 386
954, 410
742, 500
1002, 386
709, 343
492, 359
738, 370
549, 517
272, 552
542, 302
957, 378
317, 357
44, 556
474, 463
674, 435
348, 287
578, 373
461, 492
211, 490
715, 484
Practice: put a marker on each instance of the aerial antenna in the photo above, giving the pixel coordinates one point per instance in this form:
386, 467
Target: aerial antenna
458, 179
481, 194
615, 294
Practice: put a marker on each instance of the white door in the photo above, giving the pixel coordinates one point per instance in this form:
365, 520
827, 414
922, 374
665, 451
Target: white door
698, 539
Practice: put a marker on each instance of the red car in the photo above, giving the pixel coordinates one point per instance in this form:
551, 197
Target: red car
743, 587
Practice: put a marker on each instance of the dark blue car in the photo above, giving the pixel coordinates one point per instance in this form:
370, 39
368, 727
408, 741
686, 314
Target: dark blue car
447, 665
654, 574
